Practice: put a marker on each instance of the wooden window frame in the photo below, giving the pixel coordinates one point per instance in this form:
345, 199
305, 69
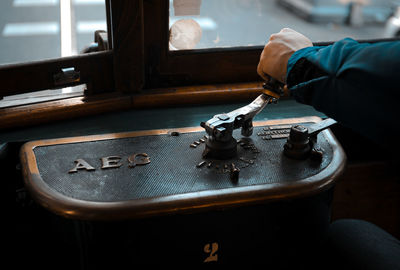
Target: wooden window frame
166, 68
191, 67
137, 71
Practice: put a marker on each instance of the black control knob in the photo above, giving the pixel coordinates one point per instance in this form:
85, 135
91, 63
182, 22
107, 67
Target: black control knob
298, 144
302, 140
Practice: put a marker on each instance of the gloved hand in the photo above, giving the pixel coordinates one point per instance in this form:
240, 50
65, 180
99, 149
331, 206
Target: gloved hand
280, 47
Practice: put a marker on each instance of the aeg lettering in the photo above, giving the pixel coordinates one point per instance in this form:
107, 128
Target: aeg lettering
112, 162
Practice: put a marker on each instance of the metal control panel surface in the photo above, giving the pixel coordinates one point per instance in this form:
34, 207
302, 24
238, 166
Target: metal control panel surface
147, 173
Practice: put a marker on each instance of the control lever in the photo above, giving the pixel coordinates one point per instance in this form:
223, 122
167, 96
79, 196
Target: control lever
220, 144
302, 140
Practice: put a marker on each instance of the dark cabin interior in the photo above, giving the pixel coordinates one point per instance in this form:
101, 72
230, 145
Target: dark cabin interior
136, 88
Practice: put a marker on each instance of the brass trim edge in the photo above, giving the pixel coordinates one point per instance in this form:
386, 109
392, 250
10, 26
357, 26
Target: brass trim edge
180, 203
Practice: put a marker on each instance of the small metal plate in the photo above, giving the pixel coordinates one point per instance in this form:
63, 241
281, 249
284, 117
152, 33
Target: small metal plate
108, 183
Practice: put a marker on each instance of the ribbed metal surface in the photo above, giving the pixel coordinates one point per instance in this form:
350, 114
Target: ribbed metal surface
173, 168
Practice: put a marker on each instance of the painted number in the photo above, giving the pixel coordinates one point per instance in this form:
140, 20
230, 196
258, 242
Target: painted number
212, 251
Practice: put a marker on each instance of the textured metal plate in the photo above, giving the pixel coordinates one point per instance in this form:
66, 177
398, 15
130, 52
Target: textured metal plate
175, 169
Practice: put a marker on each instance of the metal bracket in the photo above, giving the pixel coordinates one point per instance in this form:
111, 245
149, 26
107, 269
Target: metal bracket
67, 76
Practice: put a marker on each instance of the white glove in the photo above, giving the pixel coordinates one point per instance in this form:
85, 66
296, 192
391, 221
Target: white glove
275, 56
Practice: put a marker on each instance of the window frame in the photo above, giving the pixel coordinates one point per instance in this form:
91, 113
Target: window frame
137, 70
94, 68
199, 66
191, 67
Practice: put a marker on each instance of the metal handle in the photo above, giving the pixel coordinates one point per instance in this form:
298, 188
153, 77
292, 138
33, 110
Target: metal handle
318, 127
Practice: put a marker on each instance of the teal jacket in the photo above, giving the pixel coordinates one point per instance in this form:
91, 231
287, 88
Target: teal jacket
357, 84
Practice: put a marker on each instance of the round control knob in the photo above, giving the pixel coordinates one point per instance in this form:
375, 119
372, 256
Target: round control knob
298, 143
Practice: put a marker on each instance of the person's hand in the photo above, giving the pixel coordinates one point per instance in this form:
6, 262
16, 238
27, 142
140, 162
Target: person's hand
280, 47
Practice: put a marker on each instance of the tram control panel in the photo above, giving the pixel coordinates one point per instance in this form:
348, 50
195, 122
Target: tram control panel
146, 173
226, 192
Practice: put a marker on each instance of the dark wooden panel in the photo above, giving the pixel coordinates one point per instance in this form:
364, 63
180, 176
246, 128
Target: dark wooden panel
127, 44
34, 114
95, 70
22, 116
213, 66
370, 191
156, 17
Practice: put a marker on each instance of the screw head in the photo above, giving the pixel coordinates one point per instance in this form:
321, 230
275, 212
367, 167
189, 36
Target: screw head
223, 117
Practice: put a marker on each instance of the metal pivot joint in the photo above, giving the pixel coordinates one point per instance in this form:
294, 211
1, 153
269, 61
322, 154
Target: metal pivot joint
274, 88
220, 143
302, 140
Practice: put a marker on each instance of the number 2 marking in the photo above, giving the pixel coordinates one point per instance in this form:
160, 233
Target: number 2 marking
213, 257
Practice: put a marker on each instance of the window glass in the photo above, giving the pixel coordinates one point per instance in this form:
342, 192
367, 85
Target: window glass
40, 29
197, 24
33, 30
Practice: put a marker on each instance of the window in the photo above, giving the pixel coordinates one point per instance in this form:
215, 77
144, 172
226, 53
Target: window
200, 24
139, 67
33, 30
40, 30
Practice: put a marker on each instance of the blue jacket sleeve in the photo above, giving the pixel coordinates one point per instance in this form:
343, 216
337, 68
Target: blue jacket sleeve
359, 85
